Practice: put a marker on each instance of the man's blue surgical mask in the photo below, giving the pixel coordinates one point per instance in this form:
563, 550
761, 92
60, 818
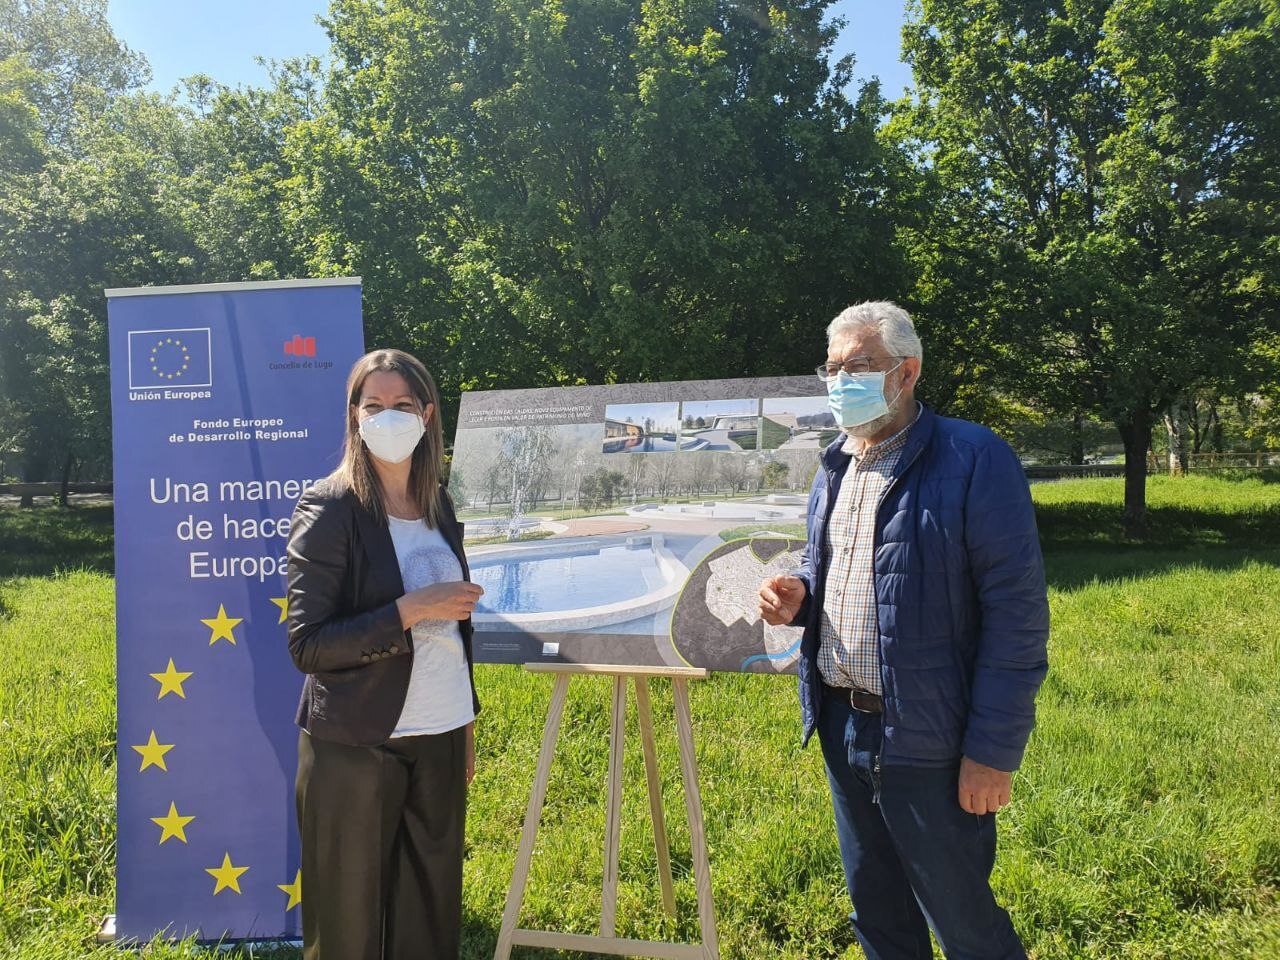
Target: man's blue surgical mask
858, 398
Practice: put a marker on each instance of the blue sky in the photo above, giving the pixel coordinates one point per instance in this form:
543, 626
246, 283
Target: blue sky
182, 37
665, 416
719, 408
800, 406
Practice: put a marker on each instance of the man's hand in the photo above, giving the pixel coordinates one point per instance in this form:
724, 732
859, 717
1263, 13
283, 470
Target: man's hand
982, 789
780, 599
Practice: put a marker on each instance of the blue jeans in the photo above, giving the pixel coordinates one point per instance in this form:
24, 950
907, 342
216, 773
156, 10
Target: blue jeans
913, 859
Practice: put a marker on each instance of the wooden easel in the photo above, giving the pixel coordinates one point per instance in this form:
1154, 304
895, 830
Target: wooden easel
607, 942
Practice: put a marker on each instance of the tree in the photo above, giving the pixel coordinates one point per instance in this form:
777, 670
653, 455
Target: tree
699, 471
637, 470
243, 173
736, 471
525, 457
601, 487
458, 487
664, 475
80, 63
22, 142
92, 180
494, 482
105, 186
1106, 193
774, 474
593, 190
104, 217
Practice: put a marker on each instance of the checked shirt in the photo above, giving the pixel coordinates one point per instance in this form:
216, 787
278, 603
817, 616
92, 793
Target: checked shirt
849, 653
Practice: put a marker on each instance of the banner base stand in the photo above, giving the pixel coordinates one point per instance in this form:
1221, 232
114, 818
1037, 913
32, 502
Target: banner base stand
106, 930
607, 943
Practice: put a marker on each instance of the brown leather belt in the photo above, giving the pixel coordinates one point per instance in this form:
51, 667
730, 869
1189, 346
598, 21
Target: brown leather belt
860, 700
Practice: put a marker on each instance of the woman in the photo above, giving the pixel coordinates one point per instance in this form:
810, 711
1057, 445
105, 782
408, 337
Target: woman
380, 622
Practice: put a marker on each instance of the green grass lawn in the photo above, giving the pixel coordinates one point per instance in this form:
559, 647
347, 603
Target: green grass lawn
786, 528
773, 434
1145, 822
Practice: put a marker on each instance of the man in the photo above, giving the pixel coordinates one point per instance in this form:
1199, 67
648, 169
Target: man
923, 600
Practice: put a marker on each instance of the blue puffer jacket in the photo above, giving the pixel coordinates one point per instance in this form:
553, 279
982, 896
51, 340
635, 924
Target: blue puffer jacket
964, 617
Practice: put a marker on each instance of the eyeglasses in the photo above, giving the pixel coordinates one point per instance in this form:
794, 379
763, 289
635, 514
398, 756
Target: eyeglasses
829, 371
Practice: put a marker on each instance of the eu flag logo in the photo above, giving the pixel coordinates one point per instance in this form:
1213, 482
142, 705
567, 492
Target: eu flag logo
170, 358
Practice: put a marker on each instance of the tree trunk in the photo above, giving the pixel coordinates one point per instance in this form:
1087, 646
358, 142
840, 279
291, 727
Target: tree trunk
1214, 428
1136, 434
32, 472
1077, 438
1175, 424
67, 466
1196, 425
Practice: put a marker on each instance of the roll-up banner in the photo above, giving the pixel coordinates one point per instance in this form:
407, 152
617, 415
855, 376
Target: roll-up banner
227, 401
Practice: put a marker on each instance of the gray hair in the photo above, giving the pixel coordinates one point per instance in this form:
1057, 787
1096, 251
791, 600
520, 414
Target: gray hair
885, 318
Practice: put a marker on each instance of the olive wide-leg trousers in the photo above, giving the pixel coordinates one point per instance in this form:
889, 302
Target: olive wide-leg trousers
382, 844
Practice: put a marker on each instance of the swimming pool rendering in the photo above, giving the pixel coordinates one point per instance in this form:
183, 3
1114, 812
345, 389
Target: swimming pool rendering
641, 428
741, 510
583, 553
642, 444
565, 585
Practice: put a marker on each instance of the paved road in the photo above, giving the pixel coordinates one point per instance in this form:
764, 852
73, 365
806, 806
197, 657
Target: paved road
802, 441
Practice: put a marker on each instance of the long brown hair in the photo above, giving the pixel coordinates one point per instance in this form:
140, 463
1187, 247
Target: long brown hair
426, 465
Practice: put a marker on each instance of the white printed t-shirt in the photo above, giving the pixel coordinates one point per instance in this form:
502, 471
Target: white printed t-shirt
439, 696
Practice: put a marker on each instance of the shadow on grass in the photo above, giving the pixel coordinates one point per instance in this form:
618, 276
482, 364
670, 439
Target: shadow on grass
1083, 542
480, 937
1087, 524
1073, 569
37, 541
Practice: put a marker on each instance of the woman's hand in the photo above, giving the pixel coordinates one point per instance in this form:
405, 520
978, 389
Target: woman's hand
454, 600
471, 752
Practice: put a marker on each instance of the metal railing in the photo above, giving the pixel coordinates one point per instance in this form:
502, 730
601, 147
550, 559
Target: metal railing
1062, 471
52, 488
1250, 460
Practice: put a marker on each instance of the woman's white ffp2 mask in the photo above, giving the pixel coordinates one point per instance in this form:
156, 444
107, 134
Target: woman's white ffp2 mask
392, 435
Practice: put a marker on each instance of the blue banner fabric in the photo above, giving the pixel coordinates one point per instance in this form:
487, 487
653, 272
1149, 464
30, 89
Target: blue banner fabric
227, 401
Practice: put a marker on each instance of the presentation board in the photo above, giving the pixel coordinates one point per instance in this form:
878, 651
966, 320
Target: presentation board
227, 400
632, 524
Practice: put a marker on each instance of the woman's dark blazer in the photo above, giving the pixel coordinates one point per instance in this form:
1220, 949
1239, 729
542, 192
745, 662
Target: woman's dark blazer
344, 625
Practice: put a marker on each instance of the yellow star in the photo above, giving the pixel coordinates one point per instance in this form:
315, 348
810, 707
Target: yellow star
172, 825
228, 877
294, 890
153, 753
283, 604
222, 626
171, 681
